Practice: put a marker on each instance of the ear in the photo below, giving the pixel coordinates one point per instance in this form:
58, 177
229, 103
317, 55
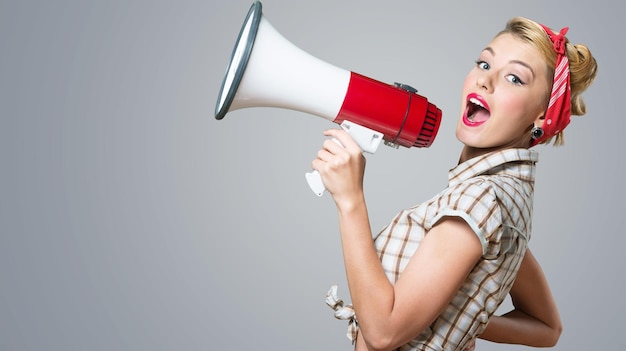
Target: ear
539, 121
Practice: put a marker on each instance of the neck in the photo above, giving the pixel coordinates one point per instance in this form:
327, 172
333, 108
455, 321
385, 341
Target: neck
468, 152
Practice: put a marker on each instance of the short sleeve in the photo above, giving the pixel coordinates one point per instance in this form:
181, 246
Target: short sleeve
475, 202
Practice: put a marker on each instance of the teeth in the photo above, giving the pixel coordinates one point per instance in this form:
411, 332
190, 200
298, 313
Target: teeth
476, 102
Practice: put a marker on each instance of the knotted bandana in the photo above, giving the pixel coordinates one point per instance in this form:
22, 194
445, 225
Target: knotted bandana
558, 113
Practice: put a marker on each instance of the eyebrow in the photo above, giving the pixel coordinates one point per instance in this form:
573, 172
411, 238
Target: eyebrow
522, 63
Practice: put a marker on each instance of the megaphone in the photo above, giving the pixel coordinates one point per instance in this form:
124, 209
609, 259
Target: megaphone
266, 70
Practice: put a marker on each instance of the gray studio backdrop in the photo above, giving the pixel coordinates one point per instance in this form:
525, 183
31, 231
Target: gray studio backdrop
131, 219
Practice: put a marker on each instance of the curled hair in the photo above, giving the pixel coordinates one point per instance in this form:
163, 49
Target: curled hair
582, 65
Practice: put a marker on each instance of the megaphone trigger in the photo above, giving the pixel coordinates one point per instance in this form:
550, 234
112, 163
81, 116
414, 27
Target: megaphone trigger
368, 139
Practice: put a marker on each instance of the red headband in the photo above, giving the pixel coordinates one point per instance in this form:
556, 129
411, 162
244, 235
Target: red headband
558, 114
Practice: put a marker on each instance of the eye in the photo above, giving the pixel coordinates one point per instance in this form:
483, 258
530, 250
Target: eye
482, 65
514, 79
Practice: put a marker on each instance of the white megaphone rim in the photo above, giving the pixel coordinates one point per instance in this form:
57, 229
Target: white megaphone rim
239, 60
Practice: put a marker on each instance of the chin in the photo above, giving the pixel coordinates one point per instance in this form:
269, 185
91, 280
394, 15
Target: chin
467, 137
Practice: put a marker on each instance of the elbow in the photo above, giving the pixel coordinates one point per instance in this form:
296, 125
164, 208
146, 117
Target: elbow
555, 335
378, 342
378, 345
551, 336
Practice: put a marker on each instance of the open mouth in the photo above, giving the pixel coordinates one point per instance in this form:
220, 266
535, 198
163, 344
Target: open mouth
477, 110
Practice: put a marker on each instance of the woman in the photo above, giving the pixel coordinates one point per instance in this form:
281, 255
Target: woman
433, 278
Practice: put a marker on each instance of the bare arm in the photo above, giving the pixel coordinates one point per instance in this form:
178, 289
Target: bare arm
391, 315
535, 319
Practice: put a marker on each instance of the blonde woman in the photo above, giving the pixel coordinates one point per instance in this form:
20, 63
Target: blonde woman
433, 278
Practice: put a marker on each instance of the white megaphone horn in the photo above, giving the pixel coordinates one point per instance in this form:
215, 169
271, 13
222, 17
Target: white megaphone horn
266, 70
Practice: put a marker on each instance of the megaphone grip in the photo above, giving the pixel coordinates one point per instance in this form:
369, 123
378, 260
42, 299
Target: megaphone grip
367, 139
314, 179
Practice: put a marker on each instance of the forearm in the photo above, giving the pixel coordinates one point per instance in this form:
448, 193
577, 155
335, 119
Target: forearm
517, 327
371, 292
342, 170
535, 320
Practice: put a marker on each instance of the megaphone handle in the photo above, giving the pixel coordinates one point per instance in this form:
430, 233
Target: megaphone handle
314, 179
367, 139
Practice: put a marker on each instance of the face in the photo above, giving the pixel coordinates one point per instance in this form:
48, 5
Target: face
504, 96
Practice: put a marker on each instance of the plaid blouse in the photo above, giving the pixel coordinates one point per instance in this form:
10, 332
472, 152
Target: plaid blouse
493, 193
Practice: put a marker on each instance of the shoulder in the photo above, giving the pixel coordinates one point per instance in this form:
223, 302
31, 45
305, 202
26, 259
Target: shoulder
470, 195
475, 201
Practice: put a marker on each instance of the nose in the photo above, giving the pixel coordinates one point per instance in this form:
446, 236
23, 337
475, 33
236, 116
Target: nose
485, 81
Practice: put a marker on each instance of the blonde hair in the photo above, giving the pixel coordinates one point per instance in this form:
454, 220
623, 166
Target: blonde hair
582, 65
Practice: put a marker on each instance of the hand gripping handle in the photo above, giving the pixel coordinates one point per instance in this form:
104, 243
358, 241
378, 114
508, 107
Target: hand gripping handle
367, 139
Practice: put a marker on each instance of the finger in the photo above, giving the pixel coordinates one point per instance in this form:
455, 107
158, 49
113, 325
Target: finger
317, 164
344, 138
324, 155
332, 146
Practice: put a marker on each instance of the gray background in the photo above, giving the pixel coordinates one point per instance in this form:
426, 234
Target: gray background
130, 219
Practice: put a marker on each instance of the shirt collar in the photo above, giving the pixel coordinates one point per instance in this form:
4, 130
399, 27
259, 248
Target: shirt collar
516, 162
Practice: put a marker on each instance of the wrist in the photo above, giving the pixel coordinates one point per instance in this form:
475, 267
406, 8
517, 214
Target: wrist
347, 205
